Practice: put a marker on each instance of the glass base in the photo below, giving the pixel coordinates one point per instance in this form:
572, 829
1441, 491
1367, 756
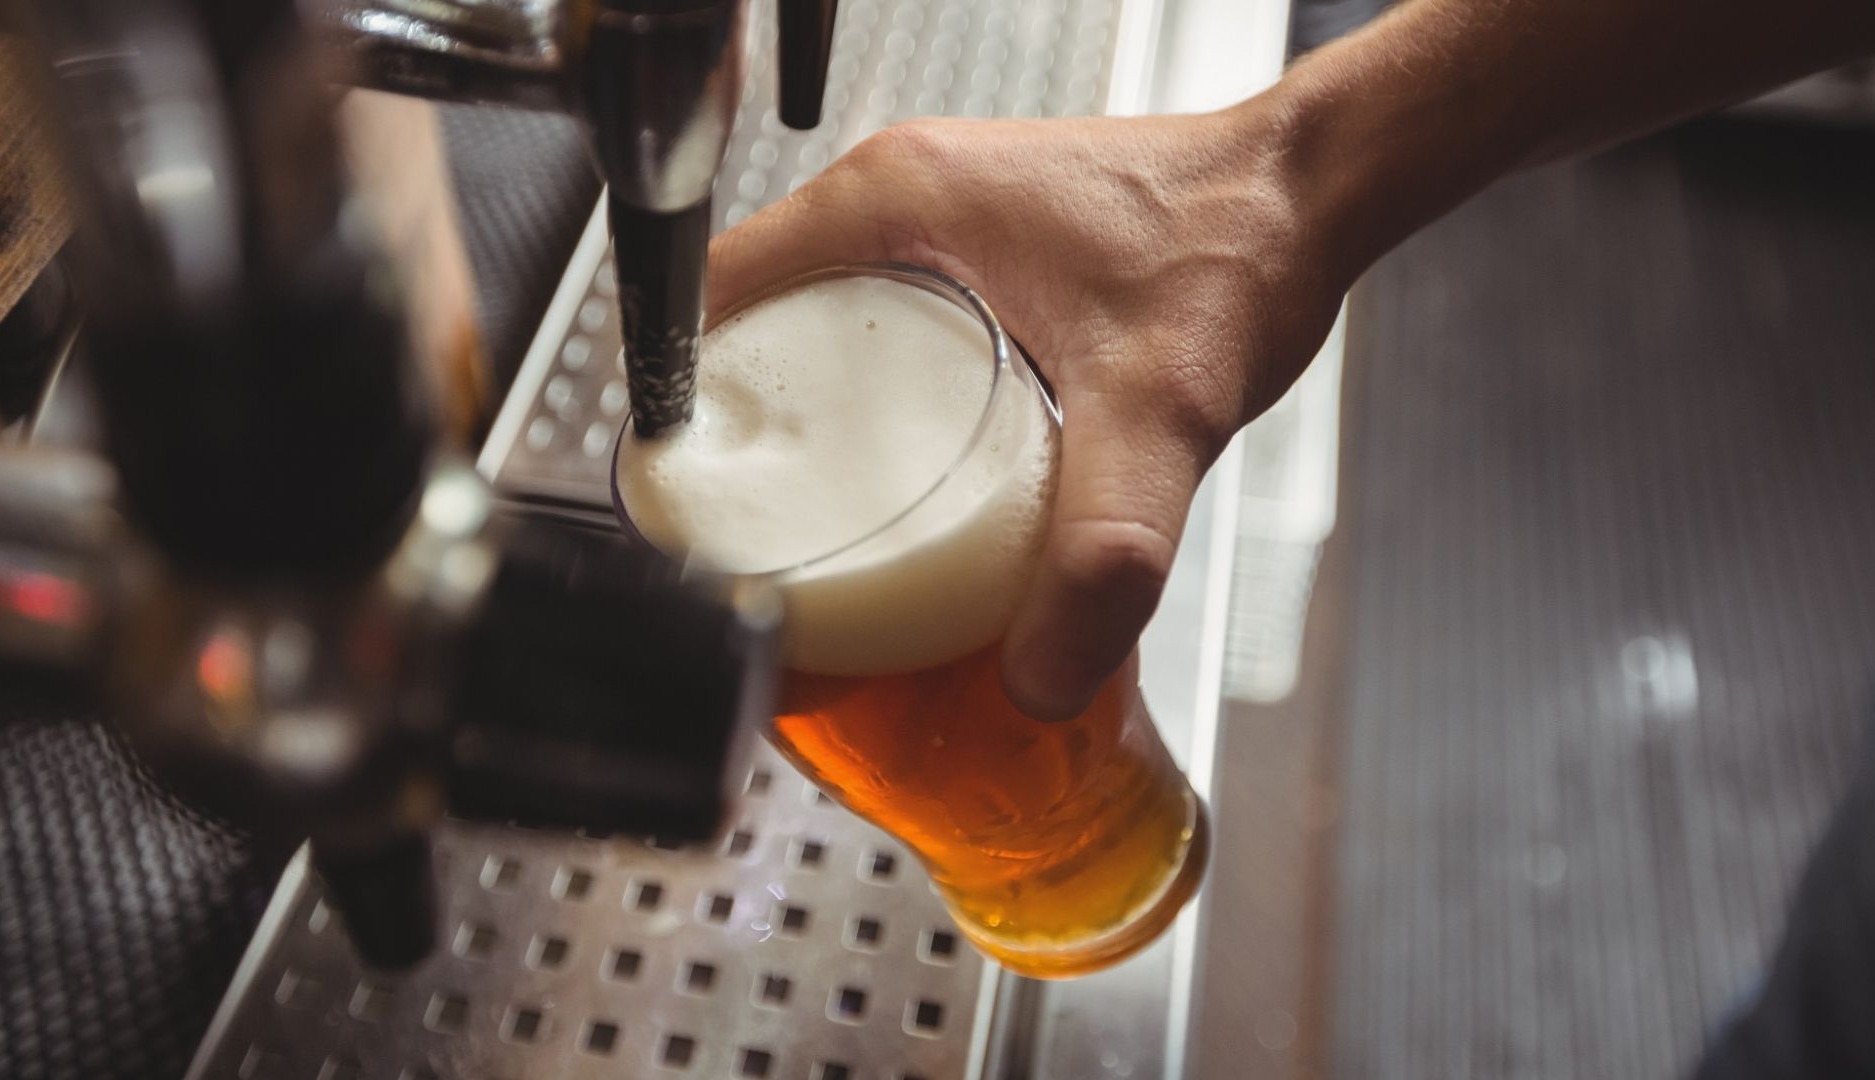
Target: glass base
1068, 959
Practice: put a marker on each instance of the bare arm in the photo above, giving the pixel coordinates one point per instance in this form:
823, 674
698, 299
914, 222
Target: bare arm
1397, 124
1173, 275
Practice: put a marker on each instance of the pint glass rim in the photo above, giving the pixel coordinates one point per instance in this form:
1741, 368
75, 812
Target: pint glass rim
1004, 354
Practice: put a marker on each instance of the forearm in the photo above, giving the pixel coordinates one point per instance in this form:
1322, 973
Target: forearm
1389, 129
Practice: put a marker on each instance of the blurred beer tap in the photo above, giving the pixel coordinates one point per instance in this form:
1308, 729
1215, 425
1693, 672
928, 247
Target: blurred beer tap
312, 621
279, 601
655, 84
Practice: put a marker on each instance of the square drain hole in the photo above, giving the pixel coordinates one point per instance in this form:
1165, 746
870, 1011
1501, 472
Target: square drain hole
924, 1017
601, 1037
864, 933
755, 1063
624, 964
847, 1005
715, 907
475, 941
370, 1002
678, 1051
500, 872
881, 866
808, 852
699, 977
572, 883
296, 990
772, 989
646, 895
446, 1012
523, 1024
792, 919
938, 947
547, 952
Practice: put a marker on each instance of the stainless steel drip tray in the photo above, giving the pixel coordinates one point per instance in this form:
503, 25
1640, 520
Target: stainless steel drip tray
804, 944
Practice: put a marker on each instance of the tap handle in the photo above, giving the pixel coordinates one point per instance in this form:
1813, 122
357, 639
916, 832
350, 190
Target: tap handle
805, 48
605, 686
386, 893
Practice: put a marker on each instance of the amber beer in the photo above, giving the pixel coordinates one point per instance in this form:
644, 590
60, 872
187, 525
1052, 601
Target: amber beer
865, 439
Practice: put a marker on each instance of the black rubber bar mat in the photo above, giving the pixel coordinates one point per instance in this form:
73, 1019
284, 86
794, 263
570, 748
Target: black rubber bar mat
525, 188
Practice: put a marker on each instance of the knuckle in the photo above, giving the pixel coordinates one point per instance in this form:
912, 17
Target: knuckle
1113, 554
1192, 418
1172, 398
913, 143
1199, 409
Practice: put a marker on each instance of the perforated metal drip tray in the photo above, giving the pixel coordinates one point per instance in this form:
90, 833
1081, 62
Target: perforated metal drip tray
805, 945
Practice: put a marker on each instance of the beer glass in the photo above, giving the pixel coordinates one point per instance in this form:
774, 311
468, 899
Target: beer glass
1060, 848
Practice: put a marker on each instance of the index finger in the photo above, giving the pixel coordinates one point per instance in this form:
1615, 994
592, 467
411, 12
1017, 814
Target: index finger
825, 223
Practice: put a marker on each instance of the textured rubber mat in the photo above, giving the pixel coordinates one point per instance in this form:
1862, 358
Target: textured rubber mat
524, 188
1612, 483
121, 913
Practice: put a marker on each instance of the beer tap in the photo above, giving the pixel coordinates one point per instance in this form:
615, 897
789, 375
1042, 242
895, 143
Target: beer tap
655, 83
312, 620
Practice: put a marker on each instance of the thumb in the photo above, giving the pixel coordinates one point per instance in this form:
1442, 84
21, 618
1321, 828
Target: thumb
1125, 485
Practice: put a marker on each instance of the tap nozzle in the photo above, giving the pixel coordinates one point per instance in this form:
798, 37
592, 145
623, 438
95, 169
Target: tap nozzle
660, 262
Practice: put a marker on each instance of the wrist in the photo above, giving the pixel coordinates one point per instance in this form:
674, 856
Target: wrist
1371, 147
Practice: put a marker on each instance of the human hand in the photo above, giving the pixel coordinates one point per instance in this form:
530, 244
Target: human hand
1162, 273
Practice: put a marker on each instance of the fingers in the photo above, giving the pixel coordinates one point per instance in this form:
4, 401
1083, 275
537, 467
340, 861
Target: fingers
885, 199
849, 213
803, 232
1126, 482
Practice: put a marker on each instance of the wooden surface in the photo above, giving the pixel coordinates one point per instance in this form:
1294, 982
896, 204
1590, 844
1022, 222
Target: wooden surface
32, 206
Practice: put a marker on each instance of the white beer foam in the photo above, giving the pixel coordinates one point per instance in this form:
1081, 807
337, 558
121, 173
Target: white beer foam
825, 412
